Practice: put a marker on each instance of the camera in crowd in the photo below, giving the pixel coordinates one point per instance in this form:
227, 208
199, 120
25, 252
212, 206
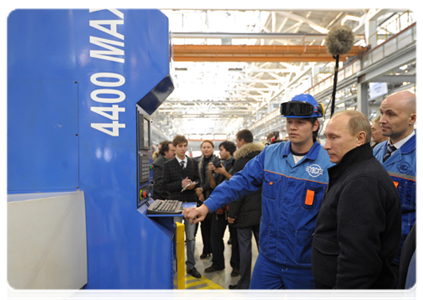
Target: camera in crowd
273, 137
216, 164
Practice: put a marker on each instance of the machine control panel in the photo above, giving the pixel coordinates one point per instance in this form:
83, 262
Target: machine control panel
145, 163
144, 167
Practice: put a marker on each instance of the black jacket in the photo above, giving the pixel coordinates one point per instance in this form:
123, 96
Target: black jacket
158, 191
410, 244
229, 165
246, 210
203, 169
219, 178
358, 228
173, 176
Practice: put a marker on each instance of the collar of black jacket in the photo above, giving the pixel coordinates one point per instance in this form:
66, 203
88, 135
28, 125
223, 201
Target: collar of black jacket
354, 156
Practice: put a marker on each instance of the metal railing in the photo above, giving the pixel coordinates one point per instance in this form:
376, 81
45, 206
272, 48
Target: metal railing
405, 27
343, 73
395, 43
390, 46
388, 30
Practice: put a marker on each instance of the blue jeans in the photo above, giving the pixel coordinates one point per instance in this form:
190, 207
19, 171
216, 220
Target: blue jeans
189, 241
271, 275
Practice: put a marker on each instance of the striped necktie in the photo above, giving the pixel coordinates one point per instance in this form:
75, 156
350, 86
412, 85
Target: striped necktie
389, 150
182, 164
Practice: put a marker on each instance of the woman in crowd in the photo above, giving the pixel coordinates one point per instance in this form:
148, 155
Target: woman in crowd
203, 192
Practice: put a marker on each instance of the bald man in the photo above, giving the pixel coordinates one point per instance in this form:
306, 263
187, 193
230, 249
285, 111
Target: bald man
398, 154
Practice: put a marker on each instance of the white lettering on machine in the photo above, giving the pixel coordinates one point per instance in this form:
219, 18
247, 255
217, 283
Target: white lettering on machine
108, 87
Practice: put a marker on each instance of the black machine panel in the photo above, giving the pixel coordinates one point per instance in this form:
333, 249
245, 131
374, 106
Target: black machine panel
144, 156
144, 167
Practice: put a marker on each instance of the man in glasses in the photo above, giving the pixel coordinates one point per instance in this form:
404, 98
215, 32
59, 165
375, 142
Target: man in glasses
294, 179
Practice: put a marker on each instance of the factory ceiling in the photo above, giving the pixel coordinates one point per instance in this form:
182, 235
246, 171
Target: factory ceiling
231, 68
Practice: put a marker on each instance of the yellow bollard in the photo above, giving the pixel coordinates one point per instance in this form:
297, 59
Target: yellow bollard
180, 255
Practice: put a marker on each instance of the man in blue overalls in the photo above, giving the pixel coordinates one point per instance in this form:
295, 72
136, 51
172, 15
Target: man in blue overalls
398, 155
294, 178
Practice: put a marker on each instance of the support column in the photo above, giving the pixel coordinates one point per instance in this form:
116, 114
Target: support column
362, 98
371, 33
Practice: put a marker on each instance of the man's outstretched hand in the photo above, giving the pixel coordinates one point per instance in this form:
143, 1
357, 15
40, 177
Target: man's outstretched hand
196, 214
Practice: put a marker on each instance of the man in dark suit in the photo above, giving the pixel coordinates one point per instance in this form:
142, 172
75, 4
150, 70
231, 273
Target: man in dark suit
167, 151
180, 178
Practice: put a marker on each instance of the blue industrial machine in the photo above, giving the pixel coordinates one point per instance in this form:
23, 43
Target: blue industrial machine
82, 85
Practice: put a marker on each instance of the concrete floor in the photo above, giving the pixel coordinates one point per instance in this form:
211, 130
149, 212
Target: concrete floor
222, 278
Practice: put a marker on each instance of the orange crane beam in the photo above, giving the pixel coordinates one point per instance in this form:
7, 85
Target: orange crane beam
257, 53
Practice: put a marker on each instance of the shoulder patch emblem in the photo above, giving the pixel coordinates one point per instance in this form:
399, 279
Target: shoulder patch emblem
404, 167
314, 170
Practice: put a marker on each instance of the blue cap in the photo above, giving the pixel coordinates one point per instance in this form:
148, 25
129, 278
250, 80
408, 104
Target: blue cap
316, 111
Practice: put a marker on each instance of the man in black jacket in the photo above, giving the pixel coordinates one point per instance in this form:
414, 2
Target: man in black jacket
166, 152
219, 219
178, 173
245, 213
358, 228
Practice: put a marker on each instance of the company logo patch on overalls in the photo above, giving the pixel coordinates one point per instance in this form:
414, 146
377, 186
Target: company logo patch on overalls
404, 167
314, 170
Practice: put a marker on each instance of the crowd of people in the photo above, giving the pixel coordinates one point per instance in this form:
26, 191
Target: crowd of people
335, 216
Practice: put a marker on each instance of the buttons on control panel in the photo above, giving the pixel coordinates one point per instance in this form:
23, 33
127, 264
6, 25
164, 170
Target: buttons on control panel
144, 167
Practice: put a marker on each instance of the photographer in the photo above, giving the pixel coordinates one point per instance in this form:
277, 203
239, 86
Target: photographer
218, 173
273, 138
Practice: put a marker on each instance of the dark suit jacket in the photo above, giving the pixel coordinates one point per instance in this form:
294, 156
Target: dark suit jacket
173, 176
158, 191
407, 252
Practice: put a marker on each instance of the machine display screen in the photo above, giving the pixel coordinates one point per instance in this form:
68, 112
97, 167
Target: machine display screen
144, 153
146, 134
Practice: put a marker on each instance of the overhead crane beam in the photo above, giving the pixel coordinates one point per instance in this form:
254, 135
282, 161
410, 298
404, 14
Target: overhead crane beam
214, 102
251, 89
245, 35
211, 116
258, 53
250, 70
259, 7
196, 112
215, 110
246, 80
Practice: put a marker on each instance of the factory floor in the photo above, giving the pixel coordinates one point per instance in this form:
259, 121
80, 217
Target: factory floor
219, 279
